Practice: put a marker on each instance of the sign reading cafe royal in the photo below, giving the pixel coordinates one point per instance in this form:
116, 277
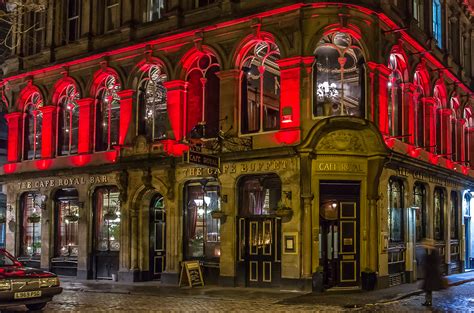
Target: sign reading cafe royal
62, 181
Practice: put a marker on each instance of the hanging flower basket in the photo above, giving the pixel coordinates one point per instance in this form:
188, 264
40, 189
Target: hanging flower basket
71, 218
110, 216
283, 212
34, 218
218, 214
3, 219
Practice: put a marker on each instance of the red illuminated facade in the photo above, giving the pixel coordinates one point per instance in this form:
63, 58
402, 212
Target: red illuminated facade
345, 134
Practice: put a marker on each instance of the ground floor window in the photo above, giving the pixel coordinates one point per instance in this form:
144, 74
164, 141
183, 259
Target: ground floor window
454, 215
438, 214
30, 223
259, 195
201, 231
395, 210
67, 222
107, 219
419, 194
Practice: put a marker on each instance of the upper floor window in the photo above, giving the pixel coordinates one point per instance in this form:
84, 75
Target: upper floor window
420, 113
153, 10
260, 89
442, 128
203, 97
437, 23
439, 214
418, 8
395, 211
202, 3
107, 114
112, 15
72, 13
35, 33
153, 120
454, 38
395, 94
468, 125
32, 125
68, 121
339, 76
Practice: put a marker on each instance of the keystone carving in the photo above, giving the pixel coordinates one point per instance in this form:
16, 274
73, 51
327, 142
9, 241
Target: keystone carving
341, 141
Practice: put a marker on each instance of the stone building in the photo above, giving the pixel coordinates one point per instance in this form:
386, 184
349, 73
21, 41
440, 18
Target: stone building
344, 132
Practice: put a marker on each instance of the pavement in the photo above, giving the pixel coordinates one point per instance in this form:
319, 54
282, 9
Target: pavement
342, 299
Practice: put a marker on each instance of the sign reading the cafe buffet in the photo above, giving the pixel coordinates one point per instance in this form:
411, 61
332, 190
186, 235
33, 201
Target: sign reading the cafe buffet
62, 181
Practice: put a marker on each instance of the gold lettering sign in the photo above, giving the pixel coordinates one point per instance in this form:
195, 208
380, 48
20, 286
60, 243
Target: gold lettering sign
62, 181
340, 167
247, 167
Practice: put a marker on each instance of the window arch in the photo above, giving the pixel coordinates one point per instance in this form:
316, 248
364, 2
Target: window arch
153, 122
68, 121
107, 114
397, 65
260, 88
32, 125
421, 131
396, 210
438, 214
203, 97
339, 76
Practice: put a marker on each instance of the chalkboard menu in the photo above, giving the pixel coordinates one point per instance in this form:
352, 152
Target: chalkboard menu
191, 274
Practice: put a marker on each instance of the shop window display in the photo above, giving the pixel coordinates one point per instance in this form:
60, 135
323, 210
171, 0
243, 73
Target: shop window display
30, 217
107, 219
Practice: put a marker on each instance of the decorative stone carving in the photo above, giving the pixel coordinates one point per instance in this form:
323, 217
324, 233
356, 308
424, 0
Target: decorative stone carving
342, 141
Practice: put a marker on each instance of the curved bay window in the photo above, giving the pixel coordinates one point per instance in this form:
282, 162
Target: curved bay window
439, 214
203, 98
30, 224
454, 234
107, 219
419, 194
153, 120
395, 211
339, 76
260, 89
67, 223
419, 94
107, 114
202, 239
259, 195
395, 96
33, 123
68, 120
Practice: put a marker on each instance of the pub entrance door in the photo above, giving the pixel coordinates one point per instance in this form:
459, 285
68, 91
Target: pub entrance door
339, 229
157, 237
260, 250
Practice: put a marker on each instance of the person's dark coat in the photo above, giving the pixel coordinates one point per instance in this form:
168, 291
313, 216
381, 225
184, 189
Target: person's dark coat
433, 280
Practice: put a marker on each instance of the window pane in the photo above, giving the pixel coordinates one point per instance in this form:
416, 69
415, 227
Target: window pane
3, 218
395, 211
68, 217
438, 214
259, 195
107, 219
31, 224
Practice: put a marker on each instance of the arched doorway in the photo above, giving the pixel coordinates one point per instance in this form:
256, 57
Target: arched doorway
157, 236
66, 232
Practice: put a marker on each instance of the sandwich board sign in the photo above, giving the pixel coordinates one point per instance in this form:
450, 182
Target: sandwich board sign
191, 274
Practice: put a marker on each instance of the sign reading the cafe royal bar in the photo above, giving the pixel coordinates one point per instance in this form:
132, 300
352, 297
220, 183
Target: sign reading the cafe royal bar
62, 181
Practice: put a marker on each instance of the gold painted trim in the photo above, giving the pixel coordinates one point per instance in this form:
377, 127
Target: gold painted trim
354, 204
267, 224
270, 271
355, 272
241, 237
354, 236
251, 278
253, 243
162, 264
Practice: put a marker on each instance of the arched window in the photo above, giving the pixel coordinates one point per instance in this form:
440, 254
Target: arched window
33, 123
107, 114
339, 76
260, 89
419, 193
456, 130
437, 23
395, 210
422, 133
153, 120
203, 97
439, 214
68, 121
395, 95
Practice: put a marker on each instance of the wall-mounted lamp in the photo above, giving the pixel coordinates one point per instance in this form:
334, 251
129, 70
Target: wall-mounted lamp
287, 115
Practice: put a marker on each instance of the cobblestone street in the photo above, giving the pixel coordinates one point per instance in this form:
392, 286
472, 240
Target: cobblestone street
455, 299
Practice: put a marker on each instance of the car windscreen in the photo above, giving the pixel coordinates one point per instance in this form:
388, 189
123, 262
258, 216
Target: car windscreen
5, 260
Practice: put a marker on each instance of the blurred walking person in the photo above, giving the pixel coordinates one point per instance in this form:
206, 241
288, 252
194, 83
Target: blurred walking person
433, 280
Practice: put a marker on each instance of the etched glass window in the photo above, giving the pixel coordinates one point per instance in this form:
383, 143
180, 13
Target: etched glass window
68, 121
395, 211
107, 115
32, 127
421, 213
339, 76
438, 214
107, 219
30, 216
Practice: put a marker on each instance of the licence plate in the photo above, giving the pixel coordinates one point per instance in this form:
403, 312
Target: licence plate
27, 294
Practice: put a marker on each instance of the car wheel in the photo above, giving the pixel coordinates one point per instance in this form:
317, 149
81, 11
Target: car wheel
36, 306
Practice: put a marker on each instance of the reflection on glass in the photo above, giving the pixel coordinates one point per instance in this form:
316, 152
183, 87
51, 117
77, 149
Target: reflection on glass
68, 227
395, 211
107, 219
202, 231
420, 212
438, 214
31, 224
259, 194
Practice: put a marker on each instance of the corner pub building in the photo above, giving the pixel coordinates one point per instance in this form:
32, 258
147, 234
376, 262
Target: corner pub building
345, 132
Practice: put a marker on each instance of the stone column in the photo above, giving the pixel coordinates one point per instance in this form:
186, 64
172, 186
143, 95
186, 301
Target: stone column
309, 237
409, 112
48, 131
126, 109
446, 130
84, 265
86, 112
15, 134
229, 100
430, 123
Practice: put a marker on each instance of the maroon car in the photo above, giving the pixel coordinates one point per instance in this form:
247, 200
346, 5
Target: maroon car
21, 285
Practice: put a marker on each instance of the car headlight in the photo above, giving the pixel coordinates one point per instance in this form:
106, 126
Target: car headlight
49, 282
5, 285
